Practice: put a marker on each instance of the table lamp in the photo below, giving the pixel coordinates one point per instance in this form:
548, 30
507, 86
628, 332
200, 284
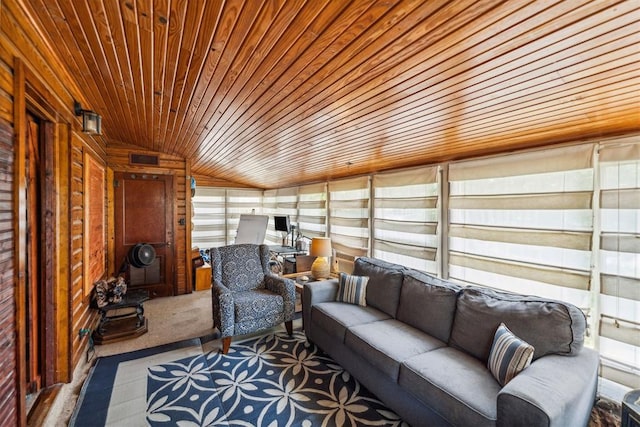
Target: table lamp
321, 249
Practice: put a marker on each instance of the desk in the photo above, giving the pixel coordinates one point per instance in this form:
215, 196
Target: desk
277, 257
285, 250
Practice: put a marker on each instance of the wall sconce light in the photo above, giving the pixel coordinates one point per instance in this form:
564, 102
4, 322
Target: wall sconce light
91, 121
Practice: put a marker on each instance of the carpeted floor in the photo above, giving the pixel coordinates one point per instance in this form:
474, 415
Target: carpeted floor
270, 380
193, 315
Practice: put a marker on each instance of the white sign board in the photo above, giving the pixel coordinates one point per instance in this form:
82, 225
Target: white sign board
252, 229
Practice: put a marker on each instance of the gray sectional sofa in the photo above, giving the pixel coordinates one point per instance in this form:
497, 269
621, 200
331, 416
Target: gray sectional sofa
421, 345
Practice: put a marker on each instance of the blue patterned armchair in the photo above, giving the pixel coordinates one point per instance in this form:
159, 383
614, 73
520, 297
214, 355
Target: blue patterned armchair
245, 295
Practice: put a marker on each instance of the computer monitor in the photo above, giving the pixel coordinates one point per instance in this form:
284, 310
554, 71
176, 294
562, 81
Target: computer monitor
282, 223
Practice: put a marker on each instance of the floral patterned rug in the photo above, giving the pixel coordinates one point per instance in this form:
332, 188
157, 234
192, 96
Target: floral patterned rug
273, 380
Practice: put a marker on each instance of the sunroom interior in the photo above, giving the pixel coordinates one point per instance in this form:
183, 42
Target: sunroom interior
489, 143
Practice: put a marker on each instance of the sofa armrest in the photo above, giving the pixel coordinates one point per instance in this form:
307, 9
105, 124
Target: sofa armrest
286, 288
222, 304
553, 391
315, 293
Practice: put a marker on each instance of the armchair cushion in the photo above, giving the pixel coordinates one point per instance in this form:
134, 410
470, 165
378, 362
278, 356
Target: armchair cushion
257, 303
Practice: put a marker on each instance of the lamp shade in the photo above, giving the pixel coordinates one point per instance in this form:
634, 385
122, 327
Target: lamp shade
320, 246
321, 249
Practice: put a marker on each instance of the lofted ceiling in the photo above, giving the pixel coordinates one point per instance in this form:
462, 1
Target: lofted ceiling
277, 93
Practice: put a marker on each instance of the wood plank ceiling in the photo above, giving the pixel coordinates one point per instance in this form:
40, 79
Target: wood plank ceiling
276, 93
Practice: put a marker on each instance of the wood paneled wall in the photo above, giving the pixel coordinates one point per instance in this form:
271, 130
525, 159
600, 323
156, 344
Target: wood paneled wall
49, 90
8, 377
118, 156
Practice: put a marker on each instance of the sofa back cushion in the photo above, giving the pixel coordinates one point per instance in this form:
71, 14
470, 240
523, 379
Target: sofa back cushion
550, 326
428, 303
385, 281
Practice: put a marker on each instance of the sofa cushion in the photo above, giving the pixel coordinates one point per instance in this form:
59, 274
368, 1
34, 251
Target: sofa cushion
551, 327
386, 343
509, 355
385, 280
458, 385
352, 289
428, 303
335, 317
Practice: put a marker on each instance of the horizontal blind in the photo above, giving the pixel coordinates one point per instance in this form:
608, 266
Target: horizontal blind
312, 210
270, 208
405, 220
619, 299
349, 219
209, 221
241, 201
523, 222
286, 205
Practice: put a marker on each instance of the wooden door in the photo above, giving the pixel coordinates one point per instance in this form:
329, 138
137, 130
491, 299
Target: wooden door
34, 249
144, 214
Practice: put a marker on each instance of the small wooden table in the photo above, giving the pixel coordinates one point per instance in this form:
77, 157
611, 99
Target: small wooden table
299, 285
631, 409
119, 326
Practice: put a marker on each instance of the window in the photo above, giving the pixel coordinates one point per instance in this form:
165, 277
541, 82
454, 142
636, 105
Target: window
312, 210
619, 299
349, 219
406, 218
209, 219
270, 208
523, 223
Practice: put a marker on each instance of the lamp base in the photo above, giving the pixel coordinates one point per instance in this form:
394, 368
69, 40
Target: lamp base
320, 268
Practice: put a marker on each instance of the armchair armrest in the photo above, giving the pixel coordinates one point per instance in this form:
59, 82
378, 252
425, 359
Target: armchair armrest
553, 391
223, 314
286, 288
315, 293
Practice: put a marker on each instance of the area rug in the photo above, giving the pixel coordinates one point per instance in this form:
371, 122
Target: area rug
272, 380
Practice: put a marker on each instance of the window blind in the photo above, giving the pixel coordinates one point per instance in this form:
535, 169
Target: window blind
270, 208
349, 219
312, 210
286, 204
523, 222
619, 300
405, 210
240, 201
209, 223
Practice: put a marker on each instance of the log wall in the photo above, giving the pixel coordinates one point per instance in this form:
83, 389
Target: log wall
118, 160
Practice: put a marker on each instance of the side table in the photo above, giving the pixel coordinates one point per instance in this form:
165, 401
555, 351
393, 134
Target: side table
631, 409
114, 326
300, 285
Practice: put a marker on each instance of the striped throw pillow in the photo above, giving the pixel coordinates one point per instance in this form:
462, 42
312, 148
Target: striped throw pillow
352, 289
509, 355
